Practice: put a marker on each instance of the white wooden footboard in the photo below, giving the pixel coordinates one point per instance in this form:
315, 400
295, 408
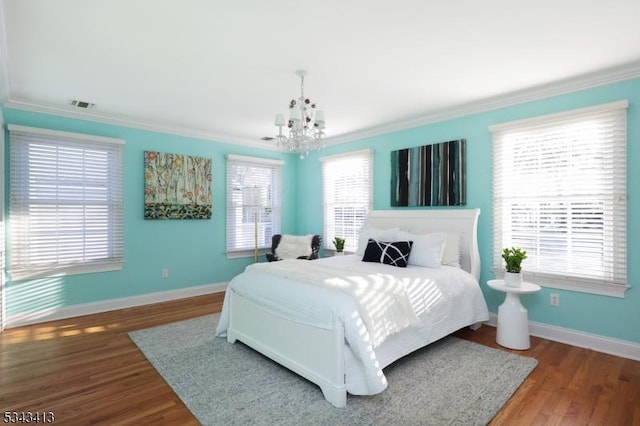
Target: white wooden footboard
316, 354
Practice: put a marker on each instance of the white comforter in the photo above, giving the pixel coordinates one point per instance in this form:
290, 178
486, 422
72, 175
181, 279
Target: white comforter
382, 301
444, 299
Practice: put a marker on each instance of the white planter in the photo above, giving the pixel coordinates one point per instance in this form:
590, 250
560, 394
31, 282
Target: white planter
339, 253
513, 279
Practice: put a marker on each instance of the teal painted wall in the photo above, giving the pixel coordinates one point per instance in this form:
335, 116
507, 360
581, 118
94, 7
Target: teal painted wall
192, 250
601, 315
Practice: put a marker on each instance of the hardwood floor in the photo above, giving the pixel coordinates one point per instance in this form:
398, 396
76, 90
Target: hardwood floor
86, 370
569, 386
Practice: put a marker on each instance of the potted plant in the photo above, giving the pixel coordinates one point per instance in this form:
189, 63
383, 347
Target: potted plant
338, 243
513, 258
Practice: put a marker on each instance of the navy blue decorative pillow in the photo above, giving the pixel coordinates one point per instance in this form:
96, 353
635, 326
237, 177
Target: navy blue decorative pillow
395, 254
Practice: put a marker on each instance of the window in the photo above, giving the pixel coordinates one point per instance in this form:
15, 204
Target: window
348, 195
559, 192
66, 209
254, 194
2, 230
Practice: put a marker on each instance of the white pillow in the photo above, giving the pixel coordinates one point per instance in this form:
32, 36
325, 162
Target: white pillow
451, 256
427, 249
292, 246
366, 232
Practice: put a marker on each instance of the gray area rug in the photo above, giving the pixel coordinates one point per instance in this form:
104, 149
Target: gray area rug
450, 382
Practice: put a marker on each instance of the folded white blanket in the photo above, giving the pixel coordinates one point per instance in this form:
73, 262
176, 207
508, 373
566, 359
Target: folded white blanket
382, 299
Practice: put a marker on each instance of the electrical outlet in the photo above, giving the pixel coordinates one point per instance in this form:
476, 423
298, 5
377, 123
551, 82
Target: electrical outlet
554, 299
165, 273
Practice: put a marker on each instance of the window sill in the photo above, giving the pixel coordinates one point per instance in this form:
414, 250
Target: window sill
23, 275
572, 283
332, 252
246, 253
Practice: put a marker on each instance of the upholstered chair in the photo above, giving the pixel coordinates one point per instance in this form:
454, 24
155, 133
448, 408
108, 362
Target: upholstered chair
284, 246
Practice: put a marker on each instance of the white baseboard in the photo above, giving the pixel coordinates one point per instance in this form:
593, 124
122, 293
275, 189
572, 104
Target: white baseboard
617, 347
608, 345
111, 305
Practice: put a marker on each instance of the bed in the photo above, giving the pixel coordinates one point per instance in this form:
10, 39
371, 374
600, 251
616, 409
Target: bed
341, 335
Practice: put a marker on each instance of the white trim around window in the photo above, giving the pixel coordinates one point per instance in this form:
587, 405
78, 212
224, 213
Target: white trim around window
254, 204
66, 206
347, 187
560, 193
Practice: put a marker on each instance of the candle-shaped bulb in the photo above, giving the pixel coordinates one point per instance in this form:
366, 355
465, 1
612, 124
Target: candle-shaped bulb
294, 113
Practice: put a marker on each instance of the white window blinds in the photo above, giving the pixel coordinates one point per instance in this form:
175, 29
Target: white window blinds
66, 203
254, 194
347, 182
559, 192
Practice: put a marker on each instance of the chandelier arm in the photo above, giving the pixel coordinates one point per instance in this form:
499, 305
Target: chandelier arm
303, 106
304, 135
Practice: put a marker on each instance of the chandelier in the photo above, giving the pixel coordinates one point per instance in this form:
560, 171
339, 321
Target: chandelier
305, 124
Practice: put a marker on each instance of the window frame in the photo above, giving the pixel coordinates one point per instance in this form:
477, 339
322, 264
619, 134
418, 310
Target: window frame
24, 197
352, 231
614, 237
274, 207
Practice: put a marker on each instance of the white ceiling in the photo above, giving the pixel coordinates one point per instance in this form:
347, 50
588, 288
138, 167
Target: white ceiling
222, 69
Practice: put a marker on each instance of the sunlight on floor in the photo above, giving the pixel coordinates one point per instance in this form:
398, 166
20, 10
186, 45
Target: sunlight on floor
32, 333
34, 301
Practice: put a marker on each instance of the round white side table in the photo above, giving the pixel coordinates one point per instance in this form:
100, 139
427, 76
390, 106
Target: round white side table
513, 322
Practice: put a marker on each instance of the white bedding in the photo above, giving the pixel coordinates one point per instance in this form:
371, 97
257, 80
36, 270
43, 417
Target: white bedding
444, 299
382, 300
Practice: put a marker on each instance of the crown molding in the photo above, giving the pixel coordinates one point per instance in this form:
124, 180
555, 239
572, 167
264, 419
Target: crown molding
585, 81
67, 112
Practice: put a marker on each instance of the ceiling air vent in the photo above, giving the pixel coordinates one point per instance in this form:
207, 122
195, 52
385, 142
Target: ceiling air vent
82, 104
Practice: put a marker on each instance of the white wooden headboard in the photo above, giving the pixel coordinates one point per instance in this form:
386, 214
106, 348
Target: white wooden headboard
462, 221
